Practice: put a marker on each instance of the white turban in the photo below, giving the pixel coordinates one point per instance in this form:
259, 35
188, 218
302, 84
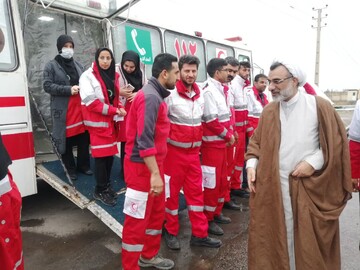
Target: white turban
295, 70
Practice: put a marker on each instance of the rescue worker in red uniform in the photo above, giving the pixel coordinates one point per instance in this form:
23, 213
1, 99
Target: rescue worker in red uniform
238, 103
11, 254
217, 135
233, 66
99, 91
182, 163
256, 99
145, 151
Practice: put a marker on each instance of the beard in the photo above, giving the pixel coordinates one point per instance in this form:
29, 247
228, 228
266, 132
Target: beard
284, 94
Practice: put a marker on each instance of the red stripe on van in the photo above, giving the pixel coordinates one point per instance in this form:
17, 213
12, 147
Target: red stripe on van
12, 101
20, 145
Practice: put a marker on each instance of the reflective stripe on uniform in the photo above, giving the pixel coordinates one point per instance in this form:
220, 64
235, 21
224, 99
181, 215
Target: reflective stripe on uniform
89, 99
240, 107
209, 208
185, 121
224, 117
195, 208
210, 117
132, 248
240, 124
153, 232
238, 168
18, 263
172, 212
75, 125
183, 144
221, 200
105, 109
103, 145
96, 124
211, 138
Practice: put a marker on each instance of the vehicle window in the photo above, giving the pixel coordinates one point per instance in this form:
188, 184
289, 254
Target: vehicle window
7, 48
143, 39
243, 58
180, 44
43, 27
217, 50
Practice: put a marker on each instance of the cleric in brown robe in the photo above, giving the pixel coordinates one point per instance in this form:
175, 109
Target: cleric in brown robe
299, 175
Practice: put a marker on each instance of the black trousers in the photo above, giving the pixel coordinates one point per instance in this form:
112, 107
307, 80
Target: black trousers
82, 141
102, 172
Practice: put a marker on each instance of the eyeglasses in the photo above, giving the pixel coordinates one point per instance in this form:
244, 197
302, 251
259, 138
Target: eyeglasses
278, 81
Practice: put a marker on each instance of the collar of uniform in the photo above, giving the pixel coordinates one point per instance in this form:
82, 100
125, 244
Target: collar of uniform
5, 185
217, 84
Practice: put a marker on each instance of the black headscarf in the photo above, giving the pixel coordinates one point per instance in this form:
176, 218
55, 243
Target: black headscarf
134, 78
107, 75
67, 64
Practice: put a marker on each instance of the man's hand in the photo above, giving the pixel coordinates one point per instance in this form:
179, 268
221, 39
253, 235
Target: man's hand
156, 184
251, 177
231, 142
303, 169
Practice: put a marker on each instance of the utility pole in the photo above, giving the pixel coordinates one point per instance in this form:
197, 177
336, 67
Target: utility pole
318, 28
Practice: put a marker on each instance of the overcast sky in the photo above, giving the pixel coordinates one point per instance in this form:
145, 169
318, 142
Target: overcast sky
273, 29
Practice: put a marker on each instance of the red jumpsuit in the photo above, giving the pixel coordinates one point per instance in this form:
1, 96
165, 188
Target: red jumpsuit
238, 103
11, 254
146, 136
182, 163
217, 131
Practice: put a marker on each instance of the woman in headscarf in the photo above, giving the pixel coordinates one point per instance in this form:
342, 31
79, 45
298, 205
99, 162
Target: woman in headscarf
61, 81
101, 107
132, 79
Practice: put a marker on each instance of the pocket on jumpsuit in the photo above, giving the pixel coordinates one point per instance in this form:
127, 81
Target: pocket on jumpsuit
135, 203
208, 176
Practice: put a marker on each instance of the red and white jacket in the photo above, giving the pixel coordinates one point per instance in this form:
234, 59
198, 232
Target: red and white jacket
255, 107
98, 113
216, 118
238, 102
185, 113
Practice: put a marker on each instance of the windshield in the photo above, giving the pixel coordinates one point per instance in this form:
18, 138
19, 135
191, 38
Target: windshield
95, 8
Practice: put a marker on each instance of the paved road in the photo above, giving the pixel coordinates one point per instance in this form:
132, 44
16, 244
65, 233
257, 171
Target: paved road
58, 235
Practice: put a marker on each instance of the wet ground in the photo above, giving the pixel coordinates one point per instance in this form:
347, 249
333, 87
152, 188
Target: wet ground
57, 235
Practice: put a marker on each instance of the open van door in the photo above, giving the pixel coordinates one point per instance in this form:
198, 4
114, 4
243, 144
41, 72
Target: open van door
15, 119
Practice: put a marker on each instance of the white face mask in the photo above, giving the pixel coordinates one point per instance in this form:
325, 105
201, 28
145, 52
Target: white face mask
67, 53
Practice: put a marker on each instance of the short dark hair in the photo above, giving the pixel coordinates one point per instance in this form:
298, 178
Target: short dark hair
245, 64
231, 60
162, 61
188, 59
259, 76
214, 65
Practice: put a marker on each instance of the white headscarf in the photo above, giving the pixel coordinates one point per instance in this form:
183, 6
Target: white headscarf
295, 70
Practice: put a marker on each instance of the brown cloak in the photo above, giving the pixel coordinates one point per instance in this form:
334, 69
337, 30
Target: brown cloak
317, 201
